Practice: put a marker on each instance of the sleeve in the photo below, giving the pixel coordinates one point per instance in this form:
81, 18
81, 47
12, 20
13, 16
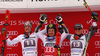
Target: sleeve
41, 34
68, 37
38, 27
92, 31
14, 41
63, 36
64, 32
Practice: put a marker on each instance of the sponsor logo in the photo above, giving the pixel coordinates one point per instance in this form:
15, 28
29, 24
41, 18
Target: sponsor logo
14, 45
12, 55
97, 54
49, 49
65, 43
86, 31
13, 32
76, 50
97, 44
29, 49
88, 22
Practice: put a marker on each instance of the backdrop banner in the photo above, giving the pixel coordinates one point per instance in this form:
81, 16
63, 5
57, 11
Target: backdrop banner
44, 3
16, 28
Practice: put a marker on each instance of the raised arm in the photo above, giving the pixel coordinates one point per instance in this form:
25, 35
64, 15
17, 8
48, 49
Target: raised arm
93, 27
62, 28
40, 34
61, 24
43, 18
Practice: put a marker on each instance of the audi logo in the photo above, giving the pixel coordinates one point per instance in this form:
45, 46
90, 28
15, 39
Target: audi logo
97, 54
13, 32
12, 55
97, 44
49, 49
65, 43
85, 31
14, 45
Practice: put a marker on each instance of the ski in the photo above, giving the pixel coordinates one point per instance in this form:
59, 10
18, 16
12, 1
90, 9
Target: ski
87, 41
57, 50
4, 31
87, 6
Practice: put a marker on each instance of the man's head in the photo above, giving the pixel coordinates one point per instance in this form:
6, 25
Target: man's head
51, 30
78, 29
28, 26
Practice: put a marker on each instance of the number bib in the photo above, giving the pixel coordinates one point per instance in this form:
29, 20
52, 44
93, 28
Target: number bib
49, 48
77, 46
29, 45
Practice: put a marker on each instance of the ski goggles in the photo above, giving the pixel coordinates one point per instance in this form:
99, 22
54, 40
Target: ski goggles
77, 28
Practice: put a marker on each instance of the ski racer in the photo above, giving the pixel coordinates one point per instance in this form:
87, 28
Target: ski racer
28, 41
78, 40
49, 39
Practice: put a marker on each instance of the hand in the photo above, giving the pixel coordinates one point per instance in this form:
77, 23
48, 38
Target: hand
43, 18
56, 46
94, 15
59, 19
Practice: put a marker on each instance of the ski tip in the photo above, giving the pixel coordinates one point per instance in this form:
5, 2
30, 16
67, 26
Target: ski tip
7, 11
58, 34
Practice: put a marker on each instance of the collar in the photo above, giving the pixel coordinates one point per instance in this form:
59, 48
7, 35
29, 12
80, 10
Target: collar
78, 35
26, 35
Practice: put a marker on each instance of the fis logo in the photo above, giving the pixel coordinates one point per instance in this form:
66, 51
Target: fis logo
97, 44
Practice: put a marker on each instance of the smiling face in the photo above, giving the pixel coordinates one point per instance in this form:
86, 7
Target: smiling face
27, 29
51, 32
78, 30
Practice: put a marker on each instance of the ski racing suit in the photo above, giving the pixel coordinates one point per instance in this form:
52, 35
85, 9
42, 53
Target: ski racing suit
77, 46
48, 45
29, 45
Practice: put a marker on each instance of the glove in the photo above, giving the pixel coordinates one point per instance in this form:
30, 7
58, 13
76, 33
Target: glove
43, 18
59, 19
56, 46
94, 14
